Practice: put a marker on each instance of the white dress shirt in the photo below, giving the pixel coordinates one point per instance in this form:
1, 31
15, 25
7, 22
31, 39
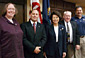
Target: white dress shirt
56, 32
70, 29
33, 22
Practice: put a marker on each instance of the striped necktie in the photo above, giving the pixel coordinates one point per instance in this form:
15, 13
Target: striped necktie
68, 33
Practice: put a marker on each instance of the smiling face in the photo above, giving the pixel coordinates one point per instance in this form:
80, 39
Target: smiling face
10, 11
34, 15
67, 16
79, 11
55, 19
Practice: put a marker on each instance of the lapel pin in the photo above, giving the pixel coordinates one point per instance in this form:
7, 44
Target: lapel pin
15, 24
80, 20
61, 29
83, 19
75, 20
38, 26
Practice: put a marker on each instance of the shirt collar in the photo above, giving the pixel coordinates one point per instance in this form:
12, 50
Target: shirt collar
11, 20
14, 21
66, 22
81, 17
33, 22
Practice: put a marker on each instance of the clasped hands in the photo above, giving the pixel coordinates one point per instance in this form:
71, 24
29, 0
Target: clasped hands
37, 50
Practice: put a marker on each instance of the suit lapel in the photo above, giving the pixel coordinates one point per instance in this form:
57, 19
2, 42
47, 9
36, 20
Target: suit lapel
53, 31
37, 28
30, 28
63, 23
59, 30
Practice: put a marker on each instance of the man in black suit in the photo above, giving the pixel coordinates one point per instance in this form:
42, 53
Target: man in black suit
72, 34
34, 37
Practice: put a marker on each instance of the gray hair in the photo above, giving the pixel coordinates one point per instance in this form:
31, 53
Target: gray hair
67, 12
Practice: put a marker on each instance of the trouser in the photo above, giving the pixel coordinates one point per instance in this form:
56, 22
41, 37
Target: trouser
81, 52
70, 51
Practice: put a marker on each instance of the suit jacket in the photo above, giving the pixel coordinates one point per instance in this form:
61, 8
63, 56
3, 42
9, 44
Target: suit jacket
50, 46
76, 40
31, 40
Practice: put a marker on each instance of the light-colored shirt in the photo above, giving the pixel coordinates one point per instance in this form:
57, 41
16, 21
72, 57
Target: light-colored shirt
11, 20
33, 22
70, 29
56, 32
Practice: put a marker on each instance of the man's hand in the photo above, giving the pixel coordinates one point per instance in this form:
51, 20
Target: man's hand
64, 54
37, 50
77, 47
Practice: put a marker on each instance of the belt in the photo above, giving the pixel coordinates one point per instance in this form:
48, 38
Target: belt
82, 36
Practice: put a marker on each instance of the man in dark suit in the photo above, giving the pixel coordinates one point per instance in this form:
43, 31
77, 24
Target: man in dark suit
34, 37
72, 34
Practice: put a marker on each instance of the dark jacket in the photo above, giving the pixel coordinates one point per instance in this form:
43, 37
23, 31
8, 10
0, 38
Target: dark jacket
10, 39
31, 40
51, 40
76, 40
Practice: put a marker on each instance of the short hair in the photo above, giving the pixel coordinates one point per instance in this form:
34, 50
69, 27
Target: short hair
34, 9
68, 12
55, 13
78, 7
5, 7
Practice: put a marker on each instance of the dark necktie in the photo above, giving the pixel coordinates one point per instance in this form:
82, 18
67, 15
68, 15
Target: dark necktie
68, 33
34, 27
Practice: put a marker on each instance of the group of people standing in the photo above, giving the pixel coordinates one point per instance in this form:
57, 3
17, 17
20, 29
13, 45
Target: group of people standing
60, 39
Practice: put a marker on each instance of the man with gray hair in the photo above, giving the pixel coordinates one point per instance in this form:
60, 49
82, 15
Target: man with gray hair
72, 34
